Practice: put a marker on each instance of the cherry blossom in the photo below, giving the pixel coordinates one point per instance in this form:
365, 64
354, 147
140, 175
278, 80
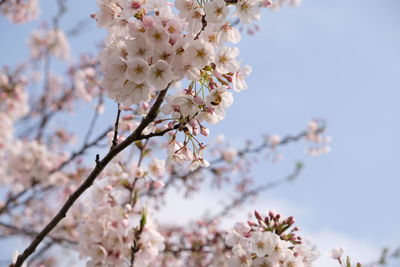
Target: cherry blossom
19, 11
172, 69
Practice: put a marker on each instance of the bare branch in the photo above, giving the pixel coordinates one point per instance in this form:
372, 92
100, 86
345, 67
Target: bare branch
32, 233
12, 199
251, 193
160, 133
40, 253
82, 150
115, 138
94, 119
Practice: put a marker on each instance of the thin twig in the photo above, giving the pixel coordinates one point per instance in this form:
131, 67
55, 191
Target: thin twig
115, 138
251, 193
82, 150
160, 133
12, 199
94, 120
32, 233
264, 145
42, 251
135, 247
43, 101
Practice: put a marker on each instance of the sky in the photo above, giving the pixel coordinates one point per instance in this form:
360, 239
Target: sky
336, 60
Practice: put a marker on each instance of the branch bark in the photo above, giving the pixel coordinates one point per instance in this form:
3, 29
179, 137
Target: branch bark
100, 165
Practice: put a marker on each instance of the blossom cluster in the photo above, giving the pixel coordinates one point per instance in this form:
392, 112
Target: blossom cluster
112, 224
20, 11
153, 46
200, 243
85, 78
270, 241
320, 142
13, 102
49, 41
149, 48
30, 163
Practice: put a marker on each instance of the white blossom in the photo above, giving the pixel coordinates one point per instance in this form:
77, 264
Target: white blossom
225, 59
137, 70
130, 93
239, 78
159, 75
216, 11
248, 10
139, 47
199, 53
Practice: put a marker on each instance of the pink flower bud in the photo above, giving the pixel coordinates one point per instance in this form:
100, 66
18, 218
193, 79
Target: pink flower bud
266, 3
271, 214
127, 117
158, 184
258, 215
144, 105
204, 131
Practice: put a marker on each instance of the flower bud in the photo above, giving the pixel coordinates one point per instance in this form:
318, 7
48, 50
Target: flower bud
158, 184
204, 131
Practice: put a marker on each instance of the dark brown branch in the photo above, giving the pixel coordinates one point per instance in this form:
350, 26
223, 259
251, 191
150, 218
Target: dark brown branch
160, 133
12, 199
100, 165
115, 138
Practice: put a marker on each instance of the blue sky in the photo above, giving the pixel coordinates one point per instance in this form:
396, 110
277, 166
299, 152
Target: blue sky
337, 60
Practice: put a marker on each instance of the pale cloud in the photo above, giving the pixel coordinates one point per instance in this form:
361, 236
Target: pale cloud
326, 239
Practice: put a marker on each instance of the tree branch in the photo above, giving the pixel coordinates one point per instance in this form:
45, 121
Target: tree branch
160, 133
264, 145
246, 195
94, 119
32, 233
12, 199
82, 150
115, 138
100, 165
